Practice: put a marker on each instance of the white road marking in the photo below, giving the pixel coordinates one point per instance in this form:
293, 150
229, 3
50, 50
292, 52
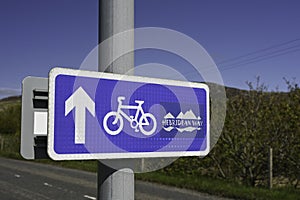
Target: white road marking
89, 197
47, 184
17, 175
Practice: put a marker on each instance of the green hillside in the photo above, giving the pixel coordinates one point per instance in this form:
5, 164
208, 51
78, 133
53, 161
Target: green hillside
10, 101
10, 125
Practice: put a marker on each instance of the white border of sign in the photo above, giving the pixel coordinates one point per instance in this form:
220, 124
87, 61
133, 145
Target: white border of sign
51, 116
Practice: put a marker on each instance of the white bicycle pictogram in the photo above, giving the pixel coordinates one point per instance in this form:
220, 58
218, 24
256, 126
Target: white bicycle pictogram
139, 122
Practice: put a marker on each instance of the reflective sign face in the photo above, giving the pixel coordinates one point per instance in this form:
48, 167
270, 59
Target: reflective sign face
95, 115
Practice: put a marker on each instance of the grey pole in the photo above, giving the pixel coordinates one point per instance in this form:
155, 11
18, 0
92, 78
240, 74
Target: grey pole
116, 16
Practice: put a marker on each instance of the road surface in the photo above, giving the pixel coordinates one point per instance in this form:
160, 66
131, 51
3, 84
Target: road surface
22, 180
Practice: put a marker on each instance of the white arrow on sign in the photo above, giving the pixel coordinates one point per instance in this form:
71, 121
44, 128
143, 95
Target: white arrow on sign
80, 101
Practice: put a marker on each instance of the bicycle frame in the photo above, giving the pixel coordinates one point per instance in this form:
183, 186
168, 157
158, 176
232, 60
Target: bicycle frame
139, 122
138, 108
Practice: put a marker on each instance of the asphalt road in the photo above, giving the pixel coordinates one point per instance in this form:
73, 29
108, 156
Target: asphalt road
22, 180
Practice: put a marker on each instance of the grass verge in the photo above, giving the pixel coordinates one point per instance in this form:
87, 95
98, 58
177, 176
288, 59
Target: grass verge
221, 187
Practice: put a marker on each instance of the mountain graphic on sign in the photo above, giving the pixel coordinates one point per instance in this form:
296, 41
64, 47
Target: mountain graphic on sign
169, 116
188, 115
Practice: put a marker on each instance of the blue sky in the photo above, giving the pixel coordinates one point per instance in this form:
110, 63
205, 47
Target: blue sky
245, 38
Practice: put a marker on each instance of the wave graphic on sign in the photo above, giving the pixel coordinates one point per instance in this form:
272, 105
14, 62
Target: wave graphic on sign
188, 129
168, 128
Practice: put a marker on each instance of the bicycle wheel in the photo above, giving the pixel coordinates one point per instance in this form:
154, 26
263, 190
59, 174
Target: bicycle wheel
150, 127
109, 126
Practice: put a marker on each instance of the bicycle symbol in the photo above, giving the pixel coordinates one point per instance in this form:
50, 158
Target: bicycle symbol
139, 122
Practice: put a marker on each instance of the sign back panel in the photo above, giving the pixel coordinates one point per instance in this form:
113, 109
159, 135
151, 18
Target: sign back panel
94, 115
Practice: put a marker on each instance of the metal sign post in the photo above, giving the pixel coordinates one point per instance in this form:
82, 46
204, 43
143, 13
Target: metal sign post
115, 16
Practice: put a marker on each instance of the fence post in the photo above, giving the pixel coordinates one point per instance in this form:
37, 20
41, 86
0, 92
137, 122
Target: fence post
270, 168
1, 148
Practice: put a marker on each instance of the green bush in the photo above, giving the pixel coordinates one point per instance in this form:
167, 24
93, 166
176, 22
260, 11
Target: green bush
10, 119
256, 120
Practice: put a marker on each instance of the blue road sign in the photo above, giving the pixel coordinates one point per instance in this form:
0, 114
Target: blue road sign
94, 115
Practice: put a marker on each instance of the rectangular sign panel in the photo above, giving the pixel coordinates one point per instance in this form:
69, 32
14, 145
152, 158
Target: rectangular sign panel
34, 118
94, 115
